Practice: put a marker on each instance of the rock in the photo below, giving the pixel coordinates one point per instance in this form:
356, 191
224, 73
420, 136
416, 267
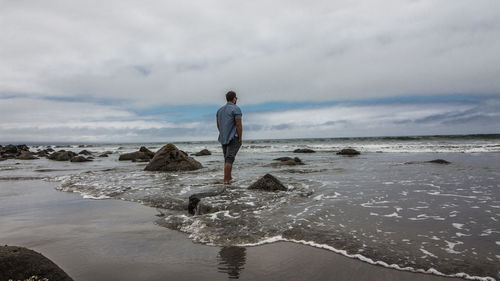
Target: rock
26, 155
23, 147
62, 155
268, 183
289, 161
304, 150
11, 149
2, 159
197, 208
143, 155
106, 154
85, 152
439, 161
349, 152
80, 159
17, 263
436, 161
169, 158
204, 152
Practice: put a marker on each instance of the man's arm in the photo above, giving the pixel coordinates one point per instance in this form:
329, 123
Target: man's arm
218, 127
239, 128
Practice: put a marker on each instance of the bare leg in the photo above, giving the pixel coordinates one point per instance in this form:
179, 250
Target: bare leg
227, 173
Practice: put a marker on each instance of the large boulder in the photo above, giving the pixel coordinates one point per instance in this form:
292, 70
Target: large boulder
143, 155
169, 158
348, 152
268, 183
62, 155
17, 263
304, 150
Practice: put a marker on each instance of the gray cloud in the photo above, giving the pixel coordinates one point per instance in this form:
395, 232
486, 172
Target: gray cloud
181, 53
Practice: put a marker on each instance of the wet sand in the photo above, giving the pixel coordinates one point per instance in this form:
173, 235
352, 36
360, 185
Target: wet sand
117, 240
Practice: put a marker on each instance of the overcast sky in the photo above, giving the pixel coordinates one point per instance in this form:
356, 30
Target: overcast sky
136, 71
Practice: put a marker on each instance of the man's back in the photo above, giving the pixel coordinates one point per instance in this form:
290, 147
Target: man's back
226, 116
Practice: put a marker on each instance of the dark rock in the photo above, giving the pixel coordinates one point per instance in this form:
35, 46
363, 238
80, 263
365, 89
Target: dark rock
197, 208
2, 159
169, 158
288, 161
62, 155
49, 149
268, 183
85, 152
204, 152
26, 155
349, 152
304, 150
147, 151
133, 156
106, 154
143, 155
80, 159
436, 161
11, 149
17, 263
439, 161
23, 147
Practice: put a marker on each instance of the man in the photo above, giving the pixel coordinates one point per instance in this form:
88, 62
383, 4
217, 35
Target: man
230, 132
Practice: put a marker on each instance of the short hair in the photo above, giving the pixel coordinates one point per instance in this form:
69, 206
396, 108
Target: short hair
230, 95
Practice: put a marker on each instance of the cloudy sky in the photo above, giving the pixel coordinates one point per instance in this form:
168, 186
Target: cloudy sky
136, 71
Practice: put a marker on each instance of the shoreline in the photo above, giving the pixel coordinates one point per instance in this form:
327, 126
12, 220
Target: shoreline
114, 239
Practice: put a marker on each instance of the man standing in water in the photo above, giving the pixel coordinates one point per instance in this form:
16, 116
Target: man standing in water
230, 132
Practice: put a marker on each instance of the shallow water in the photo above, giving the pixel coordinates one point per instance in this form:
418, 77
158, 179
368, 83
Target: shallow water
377, 207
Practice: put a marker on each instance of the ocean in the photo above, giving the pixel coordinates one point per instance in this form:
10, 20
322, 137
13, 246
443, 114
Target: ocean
387, 206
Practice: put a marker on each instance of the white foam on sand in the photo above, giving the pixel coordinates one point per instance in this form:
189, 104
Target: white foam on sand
360, 257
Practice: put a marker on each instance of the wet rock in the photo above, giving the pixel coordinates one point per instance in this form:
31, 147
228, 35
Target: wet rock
26, 155
22, 147
85, 152
106, 154
169, 158
80, 159
17, 263
288, 161
204, 152
436, 161
268, 183
197, 208
62, 155
439, 161
10, 149
304, 150
143, 155
2, 159
348, 152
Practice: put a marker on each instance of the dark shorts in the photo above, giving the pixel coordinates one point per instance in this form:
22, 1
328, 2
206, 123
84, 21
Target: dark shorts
230, 150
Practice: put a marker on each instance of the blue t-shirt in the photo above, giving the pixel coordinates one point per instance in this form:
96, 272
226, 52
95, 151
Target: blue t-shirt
227, 124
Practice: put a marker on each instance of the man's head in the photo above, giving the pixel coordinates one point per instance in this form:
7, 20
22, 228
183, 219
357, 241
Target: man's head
231, 97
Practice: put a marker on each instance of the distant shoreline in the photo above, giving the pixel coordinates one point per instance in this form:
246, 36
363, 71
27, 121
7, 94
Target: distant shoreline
400, 138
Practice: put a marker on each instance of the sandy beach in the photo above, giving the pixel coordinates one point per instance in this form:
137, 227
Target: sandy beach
125, 244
